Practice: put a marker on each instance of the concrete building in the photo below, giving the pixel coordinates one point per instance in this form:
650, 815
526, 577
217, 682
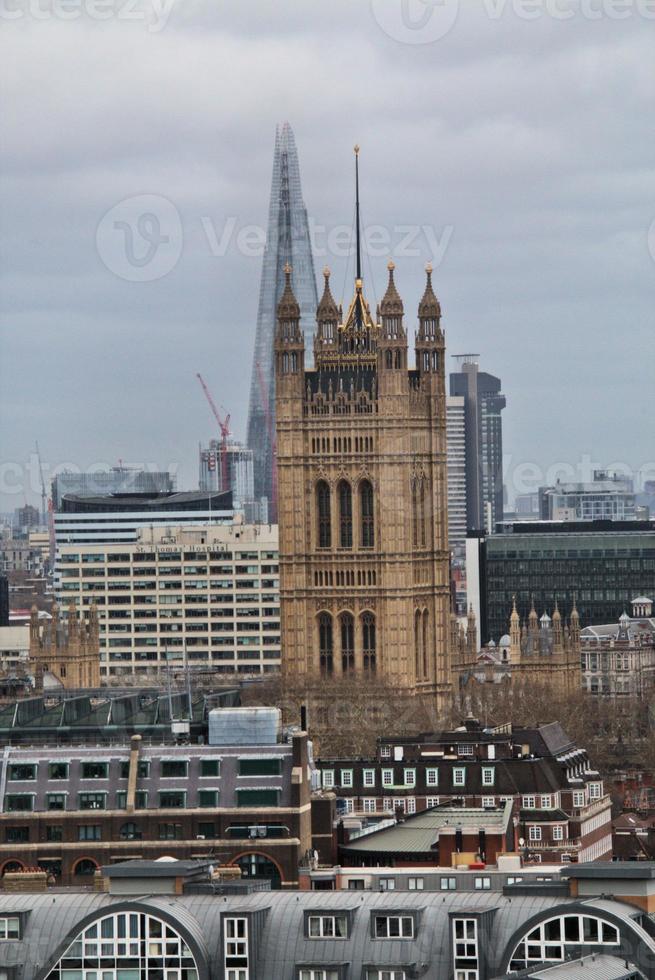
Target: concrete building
119, 517
206, 595
165, 920
602, 500
600, 565
456, 454
484, 442
562, 811
362, 474
14, 649
243, 801
118, 479
238, 471
618, 659
287, 243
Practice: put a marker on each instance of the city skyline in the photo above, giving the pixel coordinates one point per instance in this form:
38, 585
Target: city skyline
535, 245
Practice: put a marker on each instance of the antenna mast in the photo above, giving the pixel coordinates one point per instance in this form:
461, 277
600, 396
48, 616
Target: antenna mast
357, 230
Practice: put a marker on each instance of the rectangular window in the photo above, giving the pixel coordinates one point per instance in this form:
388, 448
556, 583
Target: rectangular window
17, 835
387, 777
431, 801
415, 884
558, 832
94, 770
578, 799
209, 767
257, 797
482, 884
595, 791
58, 770
207, 797
534, 833
546, 802
347, 778
387, 884
206, 830
19, 802
140, 799
356, 884
448, 884
55, 801
328, 779
174, 768
393, 926
260, 767
410, 777
465, 750
459, 777
368, 777
92, 801
142, 769
172, 798
54, 833
385, 973
528, 802
369, 805
327, 926
311, 974
488, 801
10, 927
465, 944
89, 832
385, 751
236, 948
170, 831
410, 804
432, 777
488, 775
22, 771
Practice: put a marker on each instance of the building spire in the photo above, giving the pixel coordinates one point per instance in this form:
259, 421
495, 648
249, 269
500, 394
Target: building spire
392, 304
358, 274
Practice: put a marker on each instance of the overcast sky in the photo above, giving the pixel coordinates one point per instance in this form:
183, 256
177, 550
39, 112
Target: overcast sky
510, 143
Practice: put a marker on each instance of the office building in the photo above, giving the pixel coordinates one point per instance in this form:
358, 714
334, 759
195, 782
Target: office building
599, 565
456, 454
164, 920
618, 659
71, 809
484, 441
207, 595
119, 517
228, 467
118, 479
287, 242
361, 449
562, 810
601, 500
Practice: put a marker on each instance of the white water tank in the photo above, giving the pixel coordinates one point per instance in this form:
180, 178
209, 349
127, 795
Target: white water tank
244, 726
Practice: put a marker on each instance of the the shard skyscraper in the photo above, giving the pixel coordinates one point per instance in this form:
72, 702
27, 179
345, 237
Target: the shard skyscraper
287, 241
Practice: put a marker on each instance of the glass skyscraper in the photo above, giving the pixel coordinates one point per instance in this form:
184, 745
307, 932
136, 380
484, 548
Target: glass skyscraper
287, 241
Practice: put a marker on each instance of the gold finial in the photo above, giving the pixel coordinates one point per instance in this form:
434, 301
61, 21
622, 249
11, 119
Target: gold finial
356, 149
358, 285
391, 265
326, 272
428, 268
287, 269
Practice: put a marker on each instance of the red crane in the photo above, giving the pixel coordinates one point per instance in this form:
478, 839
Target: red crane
271, 436
224, 426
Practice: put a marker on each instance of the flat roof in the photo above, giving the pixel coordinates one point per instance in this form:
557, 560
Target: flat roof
154, 869
612, 869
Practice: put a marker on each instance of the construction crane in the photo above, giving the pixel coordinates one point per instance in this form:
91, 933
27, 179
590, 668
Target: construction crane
224, 426
271, 436
43, 493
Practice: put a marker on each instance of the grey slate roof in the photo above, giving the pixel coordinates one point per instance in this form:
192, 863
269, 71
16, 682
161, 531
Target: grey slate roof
54, 920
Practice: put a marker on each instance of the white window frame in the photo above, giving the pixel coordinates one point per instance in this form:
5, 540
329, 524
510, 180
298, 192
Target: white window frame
385, 751
534, 832
529, 802
431, 801
558, 832
482, 883
488, 801
488, 775
368, 777
409, 776
402, 922
459, 776
328, 778
387, 884
416, 884
595, 791
579, 798
327, 926
370, 805
387, 777
346, 778
546, 802
431, 777
410, 804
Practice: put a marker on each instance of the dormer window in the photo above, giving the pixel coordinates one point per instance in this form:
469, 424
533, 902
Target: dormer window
333, 925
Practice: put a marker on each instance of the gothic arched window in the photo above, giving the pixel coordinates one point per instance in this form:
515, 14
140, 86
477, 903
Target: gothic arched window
421, 508
368, 642
323, 510
414, 514
418, 658
366, 514
325, 643
345, 515
347, 624
424, 642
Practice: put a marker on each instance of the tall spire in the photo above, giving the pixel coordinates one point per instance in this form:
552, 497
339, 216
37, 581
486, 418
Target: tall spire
357, 226
392, 304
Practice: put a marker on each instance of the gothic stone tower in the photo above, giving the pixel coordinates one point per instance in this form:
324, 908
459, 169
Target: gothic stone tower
361, 454
68, 651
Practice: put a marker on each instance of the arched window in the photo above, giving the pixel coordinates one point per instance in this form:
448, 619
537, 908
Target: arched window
418, 658
85, 867
323, 509
388, 358
347, 642
556, 939
325, 643
345, 515
424, 642
414, 514
366, 514
259, 866
435, 360
152, 945
398, 359
421, 515
368, 642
